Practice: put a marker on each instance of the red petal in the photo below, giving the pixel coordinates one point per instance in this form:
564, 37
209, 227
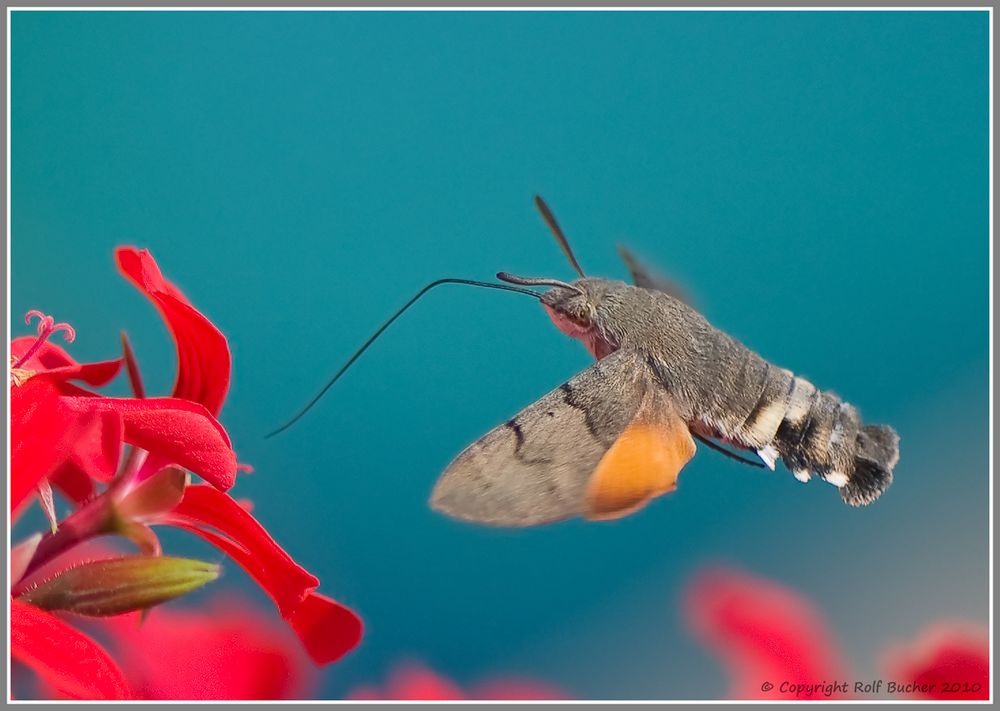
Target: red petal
948, 661
74, 483
328, 630
247, 542
418, 683
178, 431
66, 659
58, 365
98, 448
226, 651
762, 631
42, 432
415, 682
203, 359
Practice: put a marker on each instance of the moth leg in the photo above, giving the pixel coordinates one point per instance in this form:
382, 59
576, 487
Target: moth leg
643, 462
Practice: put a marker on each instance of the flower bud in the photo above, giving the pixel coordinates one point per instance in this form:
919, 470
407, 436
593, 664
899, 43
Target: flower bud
112, 587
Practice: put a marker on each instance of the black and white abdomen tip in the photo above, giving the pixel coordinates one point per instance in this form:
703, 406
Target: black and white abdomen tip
822, 435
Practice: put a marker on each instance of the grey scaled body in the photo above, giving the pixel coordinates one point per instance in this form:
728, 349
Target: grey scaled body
725, 390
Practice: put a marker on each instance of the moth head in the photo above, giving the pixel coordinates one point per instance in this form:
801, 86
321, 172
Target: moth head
572, 306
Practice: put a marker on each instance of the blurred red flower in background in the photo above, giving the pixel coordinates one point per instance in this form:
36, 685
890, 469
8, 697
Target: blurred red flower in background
224, 650
64, 658
762, 631
776, 645
328, 630
945, 655
66, 436
415, 682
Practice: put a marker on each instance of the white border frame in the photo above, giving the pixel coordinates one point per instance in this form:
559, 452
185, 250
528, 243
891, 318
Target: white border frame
988, 10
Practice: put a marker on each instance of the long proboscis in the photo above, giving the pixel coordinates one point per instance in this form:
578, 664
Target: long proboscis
381, 329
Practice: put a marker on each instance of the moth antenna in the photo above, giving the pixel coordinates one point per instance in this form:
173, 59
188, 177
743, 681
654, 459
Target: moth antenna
550, 220
722, 450
536, 281
380, 330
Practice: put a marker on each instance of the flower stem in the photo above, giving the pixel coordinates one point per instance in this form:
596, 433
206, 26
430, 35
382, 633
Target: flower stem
95, 519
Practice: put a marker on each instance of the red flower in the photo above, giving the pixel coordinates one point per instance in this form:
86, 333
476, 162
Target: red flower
96, 441
43, 432
226, 650
775, 644
328, 630
763, 632
947, 661
73, 437
57, 365
65, 659
170, 429
204, 364
415, 682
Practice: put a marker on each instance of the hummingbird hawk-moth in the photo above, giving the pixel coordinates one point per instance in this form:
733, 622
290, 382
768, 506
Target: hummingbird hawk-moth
609, 440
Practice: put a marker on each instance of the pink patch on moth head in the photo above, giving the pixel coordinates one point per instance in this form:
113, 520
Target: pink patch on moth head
564, 324
587, 336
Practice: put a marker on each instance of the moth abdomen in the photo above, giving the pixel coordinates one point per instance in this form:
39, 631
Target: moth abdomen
877, 452
729, 392
826, 438
761, 423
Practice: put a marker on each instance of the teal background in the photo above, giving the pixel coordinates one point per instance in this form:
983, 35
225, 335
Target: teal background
818, 181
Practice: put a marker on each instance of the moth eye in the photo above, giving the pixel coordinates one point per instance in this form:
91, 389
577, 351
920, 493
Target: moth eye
583, 315
574, 318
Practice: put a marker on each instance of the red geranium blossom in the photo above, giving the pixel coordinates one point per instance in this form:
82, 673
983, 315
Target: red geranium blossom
73, 438
96, 443
775, 644
415, 682
763, 632
173, 430
225, 650
328, 630
947, 661
43, 433
32, 353
65, 659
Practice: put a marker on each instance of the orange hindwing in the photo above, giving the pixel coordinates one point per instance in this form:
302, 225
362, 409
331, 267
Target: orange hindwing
643, 463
